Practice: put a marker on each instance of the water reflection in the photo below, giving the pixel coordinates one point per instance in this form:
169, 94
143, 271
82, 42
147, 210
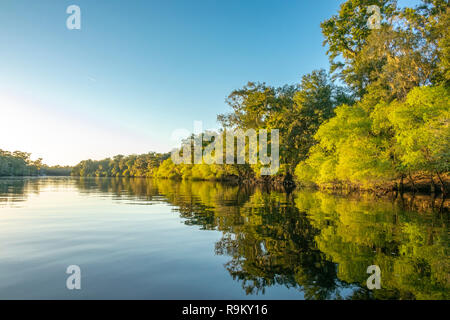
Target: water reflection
318, 243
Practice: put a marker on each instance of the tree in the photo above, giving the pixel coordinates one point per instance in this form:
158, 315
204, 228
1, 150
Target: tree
346, 35
422, 131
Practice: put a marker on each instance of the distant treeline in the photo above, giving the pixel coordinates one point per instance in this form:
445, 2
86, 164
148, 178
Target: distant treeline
18, 163
56, 170
386, 123
144, 165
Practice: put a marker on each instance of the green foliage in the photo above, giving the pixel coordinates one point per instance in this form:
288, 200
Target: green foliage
407, 51
145, 165
422, 131
366, 145
56, 170
18, 163
296, 111
399, 126
346, 35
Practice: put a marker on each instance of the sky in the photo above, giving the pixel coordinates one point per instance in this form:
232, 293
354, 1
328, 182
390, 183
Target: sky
137, 71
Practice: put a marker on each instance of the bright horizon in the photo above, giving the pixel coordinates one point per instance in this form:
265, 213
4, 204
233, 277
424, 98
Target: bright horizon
136, 72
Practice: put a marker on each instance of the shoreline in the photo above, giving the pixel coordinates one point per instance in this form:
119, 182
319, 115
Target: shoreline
289, 185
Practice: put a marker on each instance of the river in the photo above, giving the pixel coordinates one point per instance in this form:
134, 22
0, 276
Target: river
162, 239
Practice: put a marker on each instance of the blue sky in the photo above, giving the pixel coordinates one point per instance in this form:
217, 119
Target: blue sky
138, 70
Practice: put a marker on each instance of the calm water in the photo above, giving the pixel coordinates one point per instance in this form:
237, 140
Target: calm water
144, 239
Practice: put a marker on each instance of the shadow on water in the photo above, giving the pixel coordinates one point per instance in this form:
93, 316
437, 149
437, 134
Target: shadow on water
315, 242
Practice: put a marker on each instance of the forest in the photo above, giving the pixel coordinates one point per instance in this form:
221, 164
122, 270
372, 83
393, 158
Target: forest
144, 165
18, 163
377, 119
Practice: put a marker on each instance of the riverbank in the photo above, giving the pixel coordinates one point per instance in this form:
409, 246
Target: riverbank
414, 184
418, 184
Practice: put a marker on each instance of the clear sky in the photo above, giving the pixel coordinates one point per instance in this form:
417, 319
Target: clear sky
138, 70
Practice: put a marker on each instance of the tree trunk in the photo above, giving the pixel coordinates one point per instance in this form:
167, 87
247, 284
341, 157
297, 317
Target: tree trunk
432, 185
400, 185
442, 184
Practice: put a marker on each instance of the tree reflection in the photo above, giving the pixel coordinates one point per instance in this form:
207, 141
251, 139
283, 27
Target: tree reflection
274, 245
318, 243
410, 247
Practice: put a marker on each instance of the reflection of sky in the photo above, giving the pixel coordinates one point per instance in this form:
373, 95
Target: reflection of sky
137, 71
124, 250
